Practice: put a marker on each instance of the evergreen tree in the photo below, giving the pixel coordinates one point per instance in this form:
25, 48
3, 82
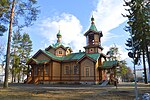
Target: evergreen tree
26, 48
113, 53
20, 53
15, 59
4, 6
20, 13
138, 27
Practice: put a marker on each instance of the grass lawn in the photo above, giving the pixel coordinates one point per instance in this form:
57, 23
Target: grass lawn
125, 91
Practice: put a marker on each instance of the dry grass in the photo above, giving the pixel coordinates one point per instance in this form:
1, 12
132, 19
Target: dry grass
71, 92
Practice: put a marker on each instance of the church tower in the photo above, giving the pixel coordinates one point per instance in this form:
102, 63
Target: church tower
93, 39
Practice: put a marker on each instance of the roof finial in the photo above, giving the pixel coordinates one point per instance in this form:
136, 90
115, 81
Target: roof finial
92, 19
93, 27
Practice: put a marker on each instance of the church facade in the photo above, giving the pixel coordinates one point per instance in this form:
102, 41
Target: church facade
57, 63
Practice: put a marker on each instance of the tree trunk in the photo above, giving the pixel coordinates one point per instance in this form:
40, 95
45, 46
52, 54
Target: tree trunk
15, 78
18, 77
12, 77
148, 58
5, 85
23, 74
144, 65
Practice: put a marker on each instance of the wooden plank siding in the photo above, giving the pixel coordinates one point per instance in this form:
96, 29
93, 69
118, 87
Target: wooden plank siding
54, 71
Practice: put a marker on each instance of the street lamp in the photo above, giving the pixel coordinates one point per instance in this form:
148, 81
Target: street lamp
132, 55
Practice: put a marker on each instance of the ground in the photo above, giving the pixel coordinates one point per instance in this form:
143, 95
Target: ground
125, 91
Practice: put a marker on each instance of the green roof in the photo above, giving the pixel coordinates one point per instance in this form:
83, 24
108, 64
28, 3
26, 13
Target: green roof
57, 44
94, 56
40, 61
93, 27
70, 57
52, 56
74, 56
109, 64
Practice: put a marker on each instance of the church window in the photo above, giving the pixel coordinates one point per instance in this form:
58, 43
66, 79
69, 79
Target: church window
60, 52
87, 71
76, 70
41, 73
35, 70
46, 70
67, 71
91, 39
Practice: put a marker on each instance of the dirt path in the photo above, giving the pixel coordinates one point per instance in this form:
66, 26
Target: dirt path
125, 91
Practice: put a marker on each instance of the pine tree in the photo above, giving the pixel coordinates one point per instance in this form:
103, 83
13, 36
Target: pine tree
26, 48
20, 53
138, 27
113, 53
15, 59
20, 14
4, 6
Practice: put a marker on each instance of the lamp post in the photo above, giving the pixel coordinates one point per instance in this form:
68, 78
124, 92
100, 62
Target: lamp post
135, 78
132, 55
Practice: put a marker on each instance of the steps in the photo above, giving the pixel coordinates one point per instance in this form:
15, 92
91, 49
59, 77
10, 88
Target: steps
104, 83
28, 81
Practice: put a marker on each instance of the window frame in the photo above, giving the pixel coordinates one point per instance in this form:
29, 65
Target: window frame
46, 69
87, 71
60, 52
35, 70
76, 70
67, 70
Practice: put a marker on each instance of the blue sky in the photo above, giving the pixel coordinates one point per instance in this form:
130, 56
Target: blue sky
72, 17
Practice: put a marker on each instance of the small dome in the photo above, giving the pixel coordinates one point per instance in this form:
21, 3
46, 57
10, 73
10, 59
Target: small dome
93, 27
92, 19
58, 34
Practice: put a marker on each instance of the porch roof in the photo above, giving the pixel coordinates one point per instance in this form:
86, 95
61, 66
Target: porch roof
109, 64
38, 61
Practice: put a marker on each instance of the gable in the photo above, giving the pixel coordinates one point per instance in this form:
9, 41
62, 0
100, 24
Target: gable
42, 56
60, 52
68, 51
92, 57
51, 50
87, 62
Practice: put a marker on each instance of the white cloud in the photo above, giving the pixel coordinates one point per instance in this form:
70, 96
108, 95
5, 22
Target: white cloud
122, 53
108, 16
70, 29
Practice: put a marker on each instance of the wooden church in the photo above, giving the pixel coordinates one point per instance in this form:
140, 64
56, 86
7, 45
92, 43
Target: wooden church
57, 63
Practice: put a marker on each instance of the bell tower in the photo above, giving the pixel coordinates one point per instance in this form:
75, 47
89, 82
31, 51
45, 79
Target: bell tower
93, 39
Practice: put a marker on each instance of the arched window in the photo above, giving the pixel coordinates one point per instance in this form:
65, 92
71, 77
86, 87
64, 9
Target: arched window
91, 39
